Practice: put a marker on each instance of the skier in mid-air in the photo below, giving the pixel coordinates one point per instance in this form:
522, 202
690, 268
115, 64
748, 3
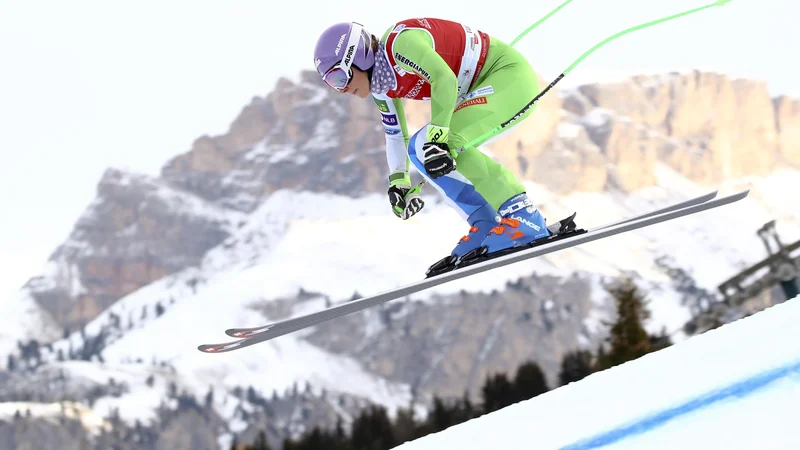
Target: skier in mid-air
474, 82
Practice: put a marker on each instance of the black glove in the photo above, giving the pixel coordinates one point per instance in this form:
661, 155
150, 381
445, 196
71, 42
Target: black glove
405, 200
437, 159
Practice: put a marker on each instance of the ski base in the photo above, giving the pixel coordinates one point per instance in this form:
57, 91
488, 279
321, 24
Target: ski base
252, 336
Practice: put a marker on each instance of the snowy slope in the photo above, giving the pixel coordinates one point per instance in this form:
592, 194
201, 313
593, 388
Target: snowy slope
21, 318
90, 421
736, 387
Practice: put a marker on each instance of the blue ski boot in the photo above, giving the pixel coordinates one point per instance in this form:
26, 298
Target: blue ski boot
520, 224
481, 223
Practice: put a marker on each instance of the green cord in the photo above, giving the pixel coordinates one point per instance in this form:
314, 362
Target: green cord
639, 27
539, 22
581, 58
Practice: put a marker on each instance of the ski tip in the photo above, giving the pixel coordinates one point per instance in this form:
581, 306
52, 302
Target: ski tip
247, 332
215, 348
710, 196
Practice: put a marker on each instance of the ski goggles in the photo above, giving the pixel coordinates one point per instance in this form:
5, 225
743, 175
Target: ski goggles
339, 76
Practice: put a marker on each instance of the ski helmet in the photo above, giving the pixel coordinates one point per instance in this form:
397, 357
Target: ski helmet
338, 48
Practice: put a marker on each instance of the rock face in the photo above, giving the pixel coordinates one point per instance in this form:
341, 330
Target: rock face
451, 346
787, 122
705, 125
299, 137
24, 433
136, 231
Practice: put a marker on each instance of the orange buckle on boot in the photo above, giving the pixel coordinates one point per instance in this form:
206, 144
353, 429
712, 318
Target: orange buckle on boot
472, 229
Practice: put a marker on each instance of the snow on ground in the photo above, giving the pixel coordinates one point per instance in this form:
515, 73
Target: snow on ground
140, 400
21, 318
200, 315
92, 422
736, 387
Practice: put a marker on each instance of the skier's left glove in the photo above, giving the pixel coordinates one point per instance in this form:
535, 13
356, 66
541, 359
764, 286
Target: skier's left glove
405, 200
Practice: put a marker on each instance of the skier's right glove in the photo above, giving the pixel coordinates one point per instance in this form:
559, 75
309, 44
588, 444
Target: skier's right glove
405, 200
437, 159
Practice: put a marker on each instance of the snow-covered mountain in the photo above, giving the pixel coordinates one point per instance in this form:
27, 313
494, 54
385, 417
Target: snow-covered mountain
242, 230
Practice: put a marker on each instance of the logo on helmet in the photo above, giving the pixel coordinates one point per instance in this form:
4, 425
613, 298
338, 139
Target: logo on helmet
339, 45
349, 54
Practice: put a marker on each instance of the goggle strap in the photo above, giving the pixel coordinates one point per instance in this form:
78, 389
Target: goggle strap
352, 45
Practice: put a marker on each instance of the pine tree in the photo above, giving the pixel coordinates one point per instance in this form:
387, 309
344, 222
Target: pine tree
261, 442
529, 381
315, 440
209, 403
405, 427
628, 338
372, 430
497, 393
464, 409
660, 341
575, 366
159, 309
442, 416
340, 437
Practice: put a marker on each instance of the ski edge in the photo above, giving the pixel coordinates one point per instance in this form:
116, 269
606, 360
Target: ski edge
293, 325
673, 207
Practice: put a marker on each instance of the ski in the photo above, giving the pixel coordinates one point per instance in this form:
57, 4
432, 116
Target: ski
675, 206
252, 336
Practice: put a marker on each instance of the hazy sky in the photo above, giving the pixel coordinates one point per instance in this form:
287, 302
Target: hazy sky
85, 85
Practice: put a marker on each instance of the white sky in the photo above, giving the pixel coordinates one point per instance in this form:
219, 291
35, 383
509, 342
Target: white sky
85, 85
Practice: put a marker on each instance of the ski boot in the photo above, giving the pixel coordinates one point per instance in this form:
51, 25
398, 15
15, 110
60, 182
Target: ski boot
481, 223
521, 226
